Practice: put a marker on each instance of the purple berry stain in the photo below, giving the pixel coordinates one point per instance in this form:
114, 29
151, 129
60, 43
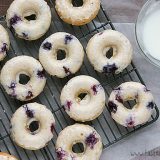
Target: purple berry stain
52, 127
112, 107
47, 46
66, 70
110, 68
14, 20
60, 153
12, 87
29, 95
4, 47
95, 88
130, 122
29, 113
68, 105
91, 140
41, 73
68, 38
150, 105
119, 98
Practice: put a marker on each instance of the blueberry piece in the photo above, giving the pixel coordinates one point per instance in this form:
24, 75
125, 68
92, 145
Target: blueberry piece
119, 98
41, 74
91, 140
12, 85
68, 38
14, 20
130, 122
68, 105
4, 47
151, 105
112, 107
110, 68
60, 153
66, 70
47, 46
95, 88
52, 127
29, 95
29, 113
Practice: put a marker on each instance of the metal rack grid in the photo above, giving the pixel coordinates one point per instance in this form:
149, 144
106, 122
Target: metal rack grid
109, 130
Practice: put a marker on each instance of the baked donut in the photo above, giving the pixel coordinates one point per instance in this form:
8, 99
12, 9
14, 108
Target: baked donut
79, 133
77, 15
141, 111
98, 49
32, 126
19, 13
83, 98
23, 65
4, 42
48, 54
6, 156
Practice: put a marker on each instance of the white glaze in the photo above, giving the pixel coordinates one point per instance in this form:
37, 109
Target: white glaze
34, 28
4, 39
77, 15
10, 75
5, 156
140, 113
22, 136
74, 55
101, 42
89, 107
78, 133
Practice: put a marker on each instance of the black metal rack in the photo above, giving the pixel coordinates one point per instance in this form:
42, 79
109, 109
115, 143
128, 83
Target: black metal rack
109, 130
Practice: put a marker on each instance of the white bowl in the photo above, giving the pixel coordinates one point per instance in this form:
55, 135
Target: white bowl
149, 7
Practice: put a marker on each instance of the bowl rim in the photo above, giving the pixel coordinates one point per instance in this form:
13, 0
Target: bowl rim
149, 58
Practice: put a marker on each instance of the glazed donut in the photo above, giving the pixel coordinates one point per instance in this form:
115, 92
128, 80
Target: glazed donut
32, 126
29, 29
101, 43
77, 15
79, 133
5, 156
4, 42
141, 111
10, 77
49, 51
83, 98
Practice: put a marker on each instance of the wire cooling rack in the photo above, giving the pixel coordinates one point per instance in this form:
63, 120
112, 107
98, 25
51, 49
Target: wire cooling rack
109, 130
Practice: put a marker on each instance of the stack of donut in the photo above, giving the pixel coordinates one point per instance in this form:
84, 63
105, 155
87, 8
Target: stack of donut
83, 97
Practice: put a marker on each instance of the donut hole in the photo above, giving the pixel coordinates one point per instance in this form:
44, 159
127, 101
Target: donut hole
109, 53
78, 148
129, 104
24, 79
31, 17
61, 54
83, 97
33, 127
77, 3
